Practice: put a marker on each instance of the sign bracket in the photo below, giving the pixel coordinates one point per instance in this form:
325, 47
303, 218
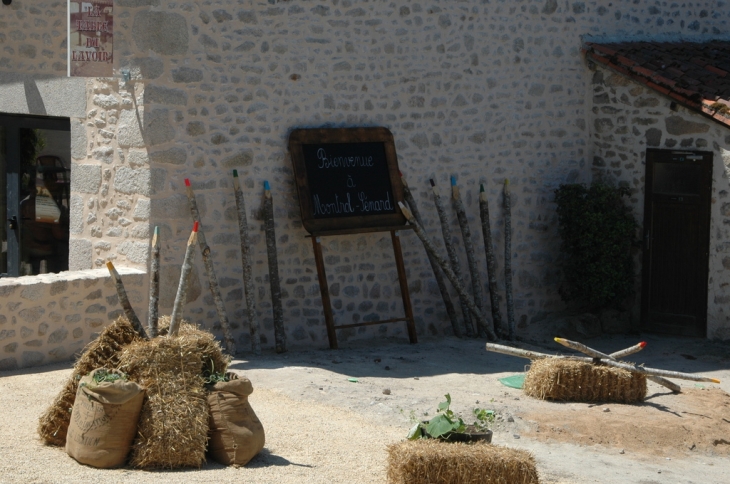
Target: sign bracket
324, 287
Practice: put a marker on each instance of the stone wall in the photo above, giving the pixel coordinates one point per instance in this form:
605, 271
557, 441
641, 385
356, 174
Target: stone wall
49, 318
627, 119
474, 89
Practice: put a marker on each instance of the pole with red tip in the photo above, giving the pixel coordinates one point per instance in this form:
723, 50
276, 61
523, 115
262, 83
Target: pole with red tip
597, 354
210, 271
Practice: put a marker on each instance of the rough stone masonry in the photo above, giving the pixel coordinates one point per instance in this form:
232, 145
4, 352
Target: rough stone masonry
477, 89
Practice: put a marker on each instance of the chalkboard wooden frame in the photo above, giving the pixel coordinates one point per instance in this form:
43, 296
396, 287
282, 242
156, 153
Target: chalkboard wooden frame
299, 138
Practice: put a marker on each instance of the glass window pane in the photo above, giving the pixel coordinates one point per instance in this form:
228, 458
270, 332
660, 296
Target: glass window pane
45, 201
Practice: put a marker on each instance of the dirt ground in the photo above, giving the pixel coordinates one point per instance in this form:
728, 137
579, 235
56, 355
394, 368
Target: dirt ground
323, 427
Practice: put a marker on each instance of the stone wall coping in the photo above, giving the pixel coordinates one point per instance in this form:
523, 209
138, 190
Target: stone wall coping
69, 276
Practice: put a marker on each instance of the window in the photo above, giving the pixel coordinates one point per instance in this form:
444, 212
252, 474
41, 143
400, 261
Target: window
35, 161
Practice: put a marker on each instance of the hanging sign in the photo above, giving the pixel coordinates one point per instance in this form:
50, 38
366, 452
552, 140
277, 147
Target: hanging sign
347, 178
90, 38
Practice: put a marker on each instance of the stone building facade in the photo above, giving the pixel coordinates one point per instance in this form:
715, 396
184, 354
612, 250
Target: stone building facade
480, 90
629, 118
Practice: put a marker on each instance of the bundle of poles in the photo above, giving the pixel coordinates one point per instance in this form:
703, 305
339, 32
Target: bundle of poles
597, 357
197, 236
475, 322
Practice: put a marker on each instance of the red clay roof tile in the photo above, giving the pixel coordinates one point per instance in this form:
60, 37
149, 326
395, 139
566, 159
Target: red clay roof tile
695, 74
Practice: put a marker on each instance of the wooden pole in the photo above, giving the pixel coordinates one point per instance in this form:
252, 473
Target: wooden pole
247, 265
438, 275
274, 282
508, 260
491, 262
453, 258
450, 275
476, 280
153, 314
508, 350
597, 354
182, 288
210, 271
629, 351
124, 301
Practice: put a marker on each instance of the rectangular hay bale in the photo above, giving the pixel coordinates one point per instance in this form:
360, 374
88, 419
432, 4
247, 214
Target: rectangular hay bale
567, 380
173, 424
435, 462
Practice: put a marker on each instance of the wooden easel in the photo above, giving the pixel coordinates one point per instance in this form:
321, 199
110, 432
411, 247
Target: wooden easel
324, 287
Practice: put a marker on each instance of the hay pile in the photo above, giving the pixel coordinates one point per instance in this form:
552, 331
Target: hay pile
103, 352
173, 425
575, 381
434, 462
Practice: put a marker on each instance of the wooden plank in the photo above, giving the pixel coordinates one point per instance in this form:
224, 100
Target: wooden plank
404, 287
324, 290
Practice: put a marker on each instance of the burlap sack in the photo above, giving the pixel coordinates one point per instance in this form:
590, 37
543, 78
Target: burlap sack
236, 434
104, 421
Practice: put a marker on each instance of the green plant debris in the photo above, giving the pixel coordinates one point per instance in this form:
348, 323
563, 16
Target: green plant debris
446, 421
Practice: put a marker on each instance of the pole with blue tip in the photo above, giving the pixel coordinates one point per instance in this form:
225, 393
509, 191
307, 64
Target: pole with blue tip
453, 258
476, 280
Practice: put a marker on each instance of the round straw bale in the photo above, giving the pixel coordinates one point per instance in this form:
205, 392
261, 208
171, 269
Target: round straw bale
567, 380
436, 462
103, 352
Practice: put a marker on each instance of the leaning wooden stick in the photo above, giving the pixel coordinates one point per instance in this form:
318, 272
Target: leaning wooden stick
153, 314
491, 262
476, 280
453, 258
450, 275
508, 259
629, 351
438, 275
508, 350
210, 271
597, 354
182, 287
247, 264
274, 282
124, 300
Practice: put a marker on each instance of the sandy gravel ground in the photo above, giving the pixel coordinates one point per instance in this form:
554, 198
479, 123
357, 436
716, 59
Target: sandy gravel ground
323, 428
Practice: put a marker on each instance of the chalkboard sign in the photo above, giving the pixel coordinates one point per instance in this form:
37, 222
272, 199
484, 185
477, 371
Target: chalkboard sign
347, 178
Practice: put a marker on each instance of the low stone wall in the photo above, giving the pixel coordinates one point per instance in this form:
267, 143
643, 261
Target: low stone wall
49, 318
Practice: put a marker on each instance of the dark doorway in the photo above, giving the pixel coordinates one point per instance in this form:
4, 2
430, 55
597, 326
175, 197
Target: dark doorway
676, 241
35, 157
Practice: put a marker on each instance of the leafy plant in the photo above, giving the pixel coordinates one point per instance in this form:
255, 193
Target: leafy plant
211, 376
446, 421
597, 230
104, 375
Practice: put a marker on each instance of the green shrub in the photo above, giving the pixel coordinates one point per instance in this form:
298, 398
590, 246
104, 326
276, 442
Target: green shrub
597, 231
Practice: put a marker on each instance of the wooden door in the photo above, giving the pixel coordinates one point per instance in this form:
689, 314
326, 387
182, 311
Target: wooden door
676, 241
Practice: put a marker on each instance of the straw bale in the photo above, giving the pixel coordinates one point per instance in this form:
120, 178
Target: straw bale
173, 425
575, 381
212, 356
103, 352
436, 462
